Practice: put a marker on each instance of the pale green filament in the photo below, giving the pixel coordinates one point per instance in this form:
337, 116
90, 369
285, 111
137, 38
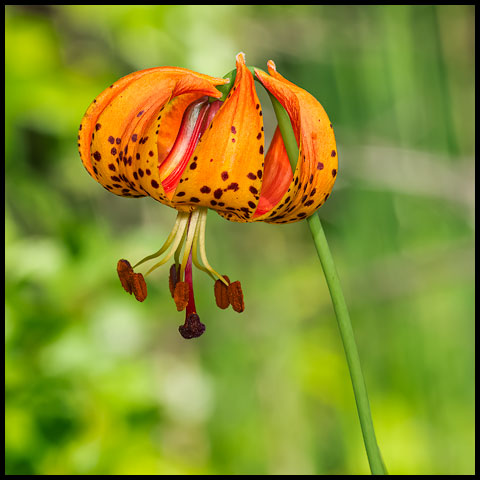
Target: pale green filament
179, 249
180, 223
203, 254
203, 212
192, 226
176, 242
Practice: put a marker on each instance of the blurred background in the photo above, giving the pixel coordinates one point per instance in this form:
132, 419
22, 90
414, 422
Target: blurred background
97, 383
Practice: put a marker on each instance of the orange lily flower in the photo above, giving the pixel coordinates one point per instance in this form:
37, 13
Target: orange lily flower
170, 133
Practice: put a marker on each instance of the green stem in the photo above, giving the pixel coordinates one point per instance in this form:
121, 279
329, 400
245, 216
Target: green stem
377, 466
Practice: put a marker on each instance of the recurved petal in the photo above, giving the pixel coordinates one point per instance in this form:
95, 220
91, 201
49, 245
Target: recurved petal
123, 114
226, 168
317, 163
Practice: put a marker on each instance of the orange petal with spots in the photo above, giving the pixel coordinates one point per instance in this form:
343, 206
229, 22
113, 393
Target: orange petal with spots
226, 167
317, 163
118, 131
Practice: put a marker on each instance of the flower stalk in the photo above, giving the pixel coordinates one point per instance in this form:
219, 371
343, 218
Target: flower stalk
377, 466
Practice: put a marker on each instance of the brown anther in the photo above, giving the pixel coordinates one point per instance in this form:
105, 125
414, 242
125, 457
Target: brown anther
139, 287
173, 278
125, 272
181, 294
235, 296
192, 328
221, 293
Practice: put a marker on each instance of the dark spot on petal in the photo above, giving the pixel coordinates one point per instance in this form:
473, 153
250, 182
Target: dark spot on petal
218, 193
224, 175
334, 172
205, 189
154, 184
319, 166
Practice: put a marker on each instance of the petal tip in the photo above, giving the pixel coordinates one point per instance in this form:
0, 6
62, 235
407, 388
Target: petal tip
271, 66
240, 58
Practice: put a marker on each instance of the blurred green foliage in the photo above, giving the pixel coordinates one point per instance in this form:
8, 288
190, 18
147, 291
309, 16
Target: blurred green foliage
97, 383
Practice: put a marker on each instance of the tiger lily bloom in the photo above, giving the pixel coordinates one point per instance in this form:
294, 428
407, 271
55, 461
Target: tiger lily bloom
177, 136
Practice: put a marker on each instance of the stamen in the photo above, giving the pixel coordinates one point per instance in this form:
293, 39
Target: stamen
177, 254
235, 296
181, 295
221, 293
190, 235
194, 252
179, 236
180, 223
173, 278
203, 255
132, 282
139, 287
125, 271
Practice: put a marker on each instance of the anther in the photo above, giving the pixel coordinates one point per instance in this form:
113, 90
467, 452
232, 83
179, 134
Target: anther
235, 296
139, 287
173, 278
125, 271
221, 293
132, 282
181, 295
192, 328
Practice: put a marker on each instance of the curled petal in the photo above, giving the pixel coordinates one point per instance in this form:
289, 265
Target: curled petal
226, 167
317, 163
120, 125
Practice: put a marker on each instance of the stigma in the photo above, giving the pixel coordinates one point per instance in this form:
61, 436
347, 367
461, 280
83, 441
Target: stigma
186, 245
